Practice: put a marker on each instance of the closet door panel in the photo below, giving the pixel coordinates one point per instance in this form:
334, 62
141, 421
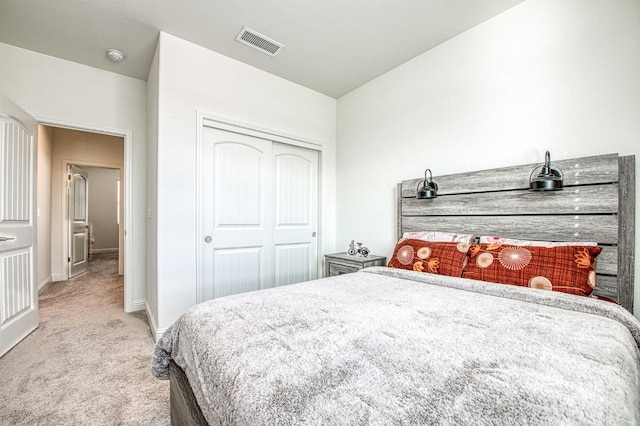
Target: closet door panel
236, 217
295, 213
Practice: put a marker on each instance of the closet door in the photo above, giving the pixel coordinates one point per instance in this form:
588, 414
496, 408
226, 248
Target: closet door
295, 214
237, 255
259, 214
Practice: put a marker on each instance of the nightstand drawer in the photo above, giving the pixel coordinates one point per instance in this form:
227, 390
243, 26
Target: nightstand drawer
337, 269
343, 263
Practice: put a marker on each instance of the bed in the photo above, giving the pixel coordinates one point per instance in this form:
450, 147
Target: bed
388, 345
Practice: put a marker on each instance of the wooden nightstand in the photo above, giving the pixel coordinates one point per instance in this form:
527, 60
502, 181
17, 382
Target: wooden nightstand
343, 263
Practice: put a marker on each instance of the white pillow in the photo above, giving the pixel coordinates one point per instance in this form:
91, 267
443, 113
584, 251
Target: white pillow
549, 244
440, 237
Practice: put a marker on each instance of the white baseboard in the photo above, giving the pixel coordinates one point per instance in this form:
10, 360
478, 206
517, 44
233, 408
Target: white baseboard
157, 332
58, 277
44, 283
160, 332
104, 250
139, 305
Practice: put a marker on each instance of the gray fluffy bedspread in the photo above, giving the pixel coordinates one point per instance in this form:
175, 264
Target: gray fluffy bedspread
385, 346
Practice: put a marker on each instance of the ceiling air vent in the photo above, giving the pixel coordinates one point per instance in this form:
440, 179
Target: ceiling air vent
258, 41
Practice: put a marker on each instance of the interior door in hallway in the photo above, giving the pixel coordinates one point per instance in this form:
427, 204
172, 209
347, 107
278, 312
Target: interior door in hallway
259, 214
78, 199
18, 284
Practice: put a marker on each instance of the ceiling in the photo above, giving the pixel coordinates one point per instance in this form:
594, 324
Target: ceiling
331, 46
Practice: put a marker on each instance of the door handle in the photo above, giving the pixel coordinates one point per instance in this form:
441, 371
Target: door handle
6, 239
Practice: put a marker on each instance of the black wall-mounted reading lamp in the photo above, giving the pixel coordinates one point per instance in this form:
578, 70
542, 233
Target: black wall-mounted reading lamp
429, 188
545, 177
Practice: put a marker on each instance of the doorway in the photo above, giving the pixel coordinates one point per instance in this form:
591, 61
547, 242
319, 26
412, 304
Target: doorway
58, 149
93, 210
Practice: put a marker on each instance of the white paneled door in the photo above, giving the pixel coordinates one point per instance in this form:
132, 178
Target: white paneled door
18, 285
295, 214
258, 216
78, 201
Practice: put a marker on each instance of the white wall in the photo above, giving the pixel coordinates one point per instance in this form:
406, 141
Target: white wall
45, 153
55, 90
192, 78
546, 74
103, 208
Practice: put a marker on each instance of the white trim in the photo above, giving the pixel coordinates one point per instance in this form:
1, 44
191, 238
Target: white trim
159, 332
139, 305
128, 206
209, 119
155, 331
105, 250
199, 197
224, 123
44, 284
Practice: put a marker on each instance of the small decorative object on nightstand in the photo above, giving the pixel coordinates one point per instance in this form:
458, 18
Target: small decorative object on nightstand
343, 263
356, 248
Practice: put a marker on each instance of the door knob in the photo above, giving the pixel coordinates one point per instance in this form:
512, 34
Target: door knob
6, 238
207, 239
313, 235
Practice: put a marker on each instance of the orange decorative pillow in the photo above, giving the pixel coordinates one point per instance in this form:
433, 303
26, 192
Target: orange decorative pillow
432, 257
569, 269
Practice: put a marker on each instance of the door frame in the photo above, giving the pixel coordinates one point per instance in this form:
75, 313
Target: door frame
127, 173
209, 119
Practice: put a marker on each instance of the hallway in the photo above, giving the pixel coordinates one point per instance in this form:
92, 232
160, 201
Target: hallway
88, 362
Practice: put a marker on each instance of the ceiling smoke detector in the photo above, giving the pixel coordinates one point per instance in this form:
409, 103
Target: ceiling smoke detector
258, 41
115, 55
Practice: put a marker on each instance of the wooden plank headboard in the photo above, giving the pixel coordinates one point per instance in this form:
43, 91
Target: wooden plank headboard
596, 204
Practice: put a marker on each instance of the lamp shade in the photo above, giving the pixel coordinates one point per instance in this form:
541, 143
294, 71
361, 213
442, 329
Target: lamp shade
427, 188
545, 177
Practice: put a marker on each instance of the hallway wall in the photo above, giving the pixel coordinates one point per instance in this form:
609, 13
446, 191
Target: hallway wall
103, 213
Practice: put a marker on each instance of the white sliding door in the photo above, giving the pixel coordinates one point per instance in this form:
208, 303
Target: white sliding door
258, 216
295, 214
236, 216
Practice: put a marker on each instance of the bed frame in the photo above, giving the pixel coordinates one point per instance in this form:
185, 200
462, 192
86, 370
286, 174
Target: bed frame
596, 204
185, 410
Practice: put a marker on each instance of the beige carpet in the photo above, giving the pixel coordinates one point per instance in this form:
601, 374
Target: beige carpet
88, 363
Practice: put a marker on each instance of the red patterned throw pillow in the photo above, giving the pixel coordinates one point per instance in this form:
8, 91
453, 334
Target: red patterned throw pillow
569, 269
432, 257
